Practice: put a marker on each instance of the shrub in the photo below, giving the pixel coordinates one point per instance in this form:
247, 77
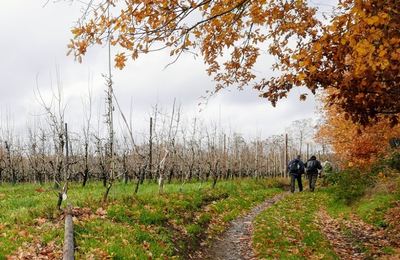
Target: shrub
394, 161
331, 178
351, 184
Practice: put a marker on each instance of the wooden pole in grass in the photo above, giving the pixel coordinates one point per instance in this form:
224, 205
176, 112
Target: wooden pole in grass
286, 175
150, 150
69, 248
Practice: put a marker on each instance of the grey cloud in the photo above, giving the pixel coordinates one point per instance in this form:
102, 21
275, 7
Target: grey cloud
35, 43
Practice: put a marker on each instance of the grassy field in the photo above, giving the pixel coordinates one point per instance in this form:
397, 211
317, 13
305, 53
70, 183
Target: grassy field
290, 229
128, 226
149, 225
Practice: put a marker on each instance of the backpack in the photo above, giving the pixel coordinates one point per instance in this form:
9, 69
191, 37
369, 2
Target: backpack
312, 166
294, 167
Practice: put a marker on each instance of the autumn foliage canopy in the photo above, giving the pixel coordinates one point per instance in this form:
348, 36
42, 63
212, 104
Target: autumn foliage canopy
355, 52
354, 144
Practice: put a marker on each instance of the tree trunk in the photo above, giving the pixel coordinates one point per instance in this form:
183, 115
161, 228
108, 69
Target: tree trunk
85, 177
105, 197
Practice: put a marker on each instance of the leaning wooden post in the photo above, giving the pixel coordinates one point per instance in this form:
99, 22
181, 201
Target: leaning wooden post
149, 176
69, 248
286, 157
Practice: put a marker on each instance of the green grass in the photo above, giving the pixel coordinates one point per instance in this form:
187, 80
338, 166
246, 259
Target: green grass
135, 226
170, 225
287, 230
371, 208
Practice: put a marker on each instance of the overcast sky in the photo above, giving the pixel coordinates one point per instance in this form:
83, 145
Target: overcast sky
33, 43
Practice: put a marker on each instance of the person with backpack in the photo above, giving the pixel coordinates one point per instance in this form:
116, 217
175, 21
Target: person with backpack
313, 168
296, 169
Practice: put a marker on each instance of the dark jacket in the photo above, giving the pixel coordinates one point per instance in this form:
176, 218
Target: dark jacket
312, 166
301, 168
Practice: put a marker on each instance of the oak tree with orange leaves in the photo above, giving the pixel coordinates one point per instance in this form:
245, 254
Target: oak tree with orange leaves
355, 53
352, 143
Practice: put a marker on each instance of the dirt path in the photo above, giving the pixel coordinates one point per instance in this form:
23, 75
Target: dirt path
236, 242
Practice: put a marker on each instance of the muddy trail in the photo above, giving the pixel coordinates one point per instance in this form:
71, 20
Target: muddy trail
236, 242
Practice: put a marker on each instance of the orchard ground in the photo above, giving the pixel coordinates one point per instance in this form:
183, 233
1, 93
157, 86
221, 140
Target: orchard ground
128, 226
175, 224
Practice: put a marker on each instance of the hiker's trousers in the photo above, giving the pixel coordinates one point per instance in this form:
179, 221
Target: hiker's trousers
293, 178
312, 180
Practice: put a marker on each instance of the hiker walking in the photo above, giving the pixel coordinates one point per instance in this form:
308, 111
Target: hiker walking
296, 169
313, 168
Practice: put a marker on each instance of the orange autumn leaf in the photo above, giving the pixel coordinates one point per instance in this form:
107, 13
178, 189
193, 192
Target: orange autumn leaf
120, 60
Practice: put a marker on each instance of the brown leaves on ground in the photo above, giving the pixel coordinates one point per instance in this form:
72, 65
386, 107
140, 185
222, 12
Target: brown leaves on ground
84, 214
368, 236
392, 218
40, 221
333, 231
353, 239
37, 250
40, 190
97, 254
81, 213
